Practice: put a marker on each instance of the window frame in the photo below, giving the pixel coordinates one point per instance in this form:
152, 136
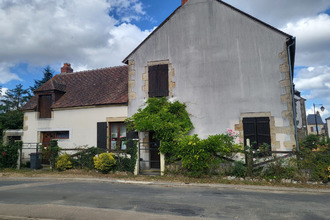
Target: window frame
119, 139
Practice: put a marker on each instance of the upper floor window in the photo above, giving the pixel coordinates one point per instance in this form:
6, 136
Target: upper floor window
45, 101
158, 80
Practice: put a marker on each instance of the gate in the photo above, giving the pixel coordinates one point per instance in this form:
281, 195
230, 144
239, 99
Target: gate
149, 158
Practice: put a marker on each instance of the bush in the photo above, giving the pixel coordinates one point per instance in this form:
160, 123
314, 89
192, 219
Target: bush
125, 163
198, 156
9, 154
238, 169
63, 162
278, 170
104, 162
84, 158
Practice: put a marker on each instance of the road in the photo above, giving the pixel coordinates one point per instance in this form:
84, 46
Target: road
100, 199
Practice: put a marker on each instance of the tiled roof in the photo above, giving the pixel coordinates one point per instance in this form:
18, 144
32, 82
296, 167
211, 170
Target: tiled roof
87, 88
311, 119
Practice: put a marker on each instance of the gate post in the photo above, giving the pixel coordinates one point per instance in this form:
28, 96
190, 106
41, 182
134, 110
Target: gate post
137, 164
162, 164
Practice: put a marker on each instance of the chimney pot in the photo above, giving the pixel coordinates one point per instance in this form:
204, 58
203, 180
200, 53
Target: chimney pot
184, 2
66, 68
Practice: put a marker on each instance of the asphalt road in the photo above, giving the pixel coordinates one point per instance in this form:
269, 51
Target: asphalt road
100, 199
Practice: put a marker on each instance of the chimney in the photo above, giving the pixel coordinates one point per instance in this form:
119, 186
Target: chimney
66, 68
184, 2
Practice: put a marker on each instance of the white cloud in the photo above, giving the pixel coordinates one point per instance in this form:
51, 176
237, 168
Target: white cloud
5, 74
88, 34
278, 13
313, 39
313, 78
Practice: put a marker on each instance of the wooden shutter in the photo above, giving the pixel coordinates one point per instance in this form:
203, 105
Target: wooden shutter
257, 130
45, 101
158, 80
102, 135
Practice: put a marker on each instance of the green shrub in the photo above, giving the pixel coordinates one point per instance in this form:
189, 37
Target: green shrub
104, 162
9, 154
84, 158
169, 121
198, 156
238, 169
315, 162
127, 163
280, 169
63, 162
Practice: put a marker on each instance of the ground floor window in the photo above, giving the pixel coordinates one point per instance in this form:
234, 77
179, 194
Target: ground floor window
117, 135
257, 129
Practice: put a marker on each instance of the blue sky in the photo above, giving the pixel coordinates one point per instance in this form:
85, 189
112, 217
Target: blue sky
100, 33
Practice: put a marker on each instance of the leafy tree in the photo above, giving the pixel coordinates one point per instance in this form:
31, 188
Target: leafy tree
48, 74
11, 120
15, 98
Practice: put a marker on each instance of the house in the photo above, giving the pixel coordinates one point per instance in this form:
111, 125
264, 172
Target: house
315, 124
301, 121
79, 109
231, 69
328, 126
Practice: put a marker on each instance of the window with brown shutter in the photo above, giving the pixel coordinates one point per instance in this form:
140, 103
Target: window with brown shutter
45, 101
257, 130
158, 80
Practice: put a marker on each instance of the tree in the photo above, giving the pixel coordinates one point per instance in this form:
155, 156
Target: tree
48, 74
15, 98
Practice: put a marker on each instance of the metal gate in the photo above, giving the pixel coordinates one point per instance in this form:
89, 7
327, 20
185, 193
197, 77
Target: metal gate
149, 158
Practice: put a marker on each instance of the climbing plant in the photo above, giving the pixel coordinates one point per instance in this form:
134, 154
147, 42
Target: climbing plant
168, 120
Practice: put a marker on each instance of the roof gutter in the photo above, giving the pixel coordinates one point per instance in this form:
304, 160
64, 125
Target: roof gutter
291, 56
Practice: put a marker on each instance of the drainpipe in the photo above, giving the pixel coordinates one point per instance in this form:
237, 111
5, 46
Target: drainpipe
292, 91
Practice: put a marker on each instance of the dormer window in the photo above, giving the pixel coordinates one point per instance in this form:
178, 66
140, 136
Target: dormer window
45, 101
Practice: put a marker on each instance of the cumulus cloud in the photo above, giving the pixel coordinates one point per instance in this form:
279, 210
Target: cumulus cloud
5, 74
313, 78
279, 12
315, 84
313, 39
84, 33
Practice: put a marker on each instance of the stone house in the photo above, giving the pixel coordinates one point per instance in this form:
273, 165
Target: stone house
79, 109
231, 69
315, 124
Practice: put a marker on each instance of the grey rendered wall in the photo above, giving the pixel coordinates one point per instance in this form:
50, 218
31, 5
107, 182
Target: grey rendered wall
225, 64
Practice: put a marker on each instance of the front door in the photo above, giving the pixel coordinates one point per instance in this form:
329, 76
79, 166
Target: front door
154, 152
46, 138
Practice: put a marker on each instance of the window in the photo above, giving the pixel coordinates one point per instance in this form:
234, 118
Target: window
117, 135
45, 101
62, 135
258, 131
158, 80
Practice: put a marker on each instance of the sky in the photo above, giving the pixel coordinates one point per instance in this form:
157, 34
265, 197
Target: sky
93, 34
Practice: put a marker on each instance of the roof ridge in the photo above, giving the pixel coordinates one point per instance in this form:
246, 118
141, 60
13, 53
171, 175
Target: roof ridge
103, 68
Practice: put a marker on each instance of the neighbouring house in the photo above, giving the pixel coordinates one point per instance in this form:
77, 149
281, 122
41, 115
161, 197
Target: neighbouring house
79, 108
231, 69
301, 121
327, 120
315, 124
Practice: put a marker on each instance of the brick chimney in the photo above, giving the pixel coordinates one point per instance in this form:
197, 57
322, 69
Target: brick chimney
184, 2
66, 68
